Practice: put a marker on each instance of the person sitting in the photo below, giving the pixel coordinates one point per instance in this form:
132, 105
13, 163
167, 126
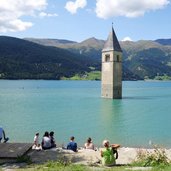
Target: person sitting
36, 145
72, 145
107, 154
36, 139
51, 135
46, 141
2, 135
89, 145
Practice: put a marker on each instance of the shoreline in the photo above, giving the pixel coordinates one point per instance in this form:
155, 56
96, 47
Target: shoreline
86, 157
99, 146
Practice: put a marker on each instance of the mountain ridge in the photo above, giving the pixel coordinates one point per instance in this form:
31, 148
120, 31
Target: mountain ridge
146, 58
21, 59
142, 59
164, 41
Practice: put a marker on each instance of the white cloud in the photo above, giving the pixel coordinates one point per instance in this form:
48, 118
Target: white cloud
126, 39
72, 7
132, 8
44, 14
11, 12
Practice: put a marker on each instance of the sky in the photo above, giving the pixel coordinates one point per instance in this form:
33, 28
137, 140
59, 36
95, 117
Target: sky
78, 20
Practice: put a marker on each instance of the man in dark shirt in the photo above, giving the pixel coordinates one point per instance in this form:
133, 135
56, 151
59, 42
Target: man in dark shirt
72, 145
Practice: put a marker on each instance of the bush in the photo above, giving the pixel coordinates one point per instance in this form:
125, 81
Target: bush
156, 157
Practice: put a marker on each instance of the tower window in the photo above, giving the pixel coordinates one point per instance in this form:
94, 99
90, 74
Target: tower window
107, 58
117, 58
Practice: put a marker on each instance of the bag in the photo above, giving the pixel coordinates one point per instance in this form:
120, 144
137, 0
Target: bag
115, 152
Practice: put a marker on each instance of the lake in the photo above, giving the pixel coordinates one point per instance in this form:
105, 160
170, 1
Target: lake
76, 108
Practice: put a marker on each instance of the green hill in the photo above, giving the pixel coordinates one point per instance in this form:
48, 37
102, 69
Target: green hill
21, 59
91, 47
148, 59
142, 59
55, 59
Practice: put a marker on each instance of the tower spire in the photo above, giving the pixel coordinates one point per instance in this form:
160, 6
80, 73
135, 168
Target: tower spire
112, 42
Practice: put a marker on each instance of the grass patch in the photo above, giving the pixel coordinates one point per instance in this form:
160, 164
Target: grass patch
57, 166
162, 78
60, 166
24, 159
161, 168
93, 75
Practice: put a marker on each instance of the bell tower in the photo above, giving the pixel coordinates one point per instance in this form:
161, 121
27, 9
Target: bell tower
111, 84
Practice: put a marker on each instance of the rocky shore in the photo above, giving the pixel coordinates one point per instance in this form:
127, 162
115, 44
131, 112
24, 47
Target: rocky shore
83, 156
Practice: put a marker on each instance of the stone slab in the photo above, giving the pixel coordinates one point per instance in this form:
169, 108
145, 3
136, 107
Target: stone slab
13, 150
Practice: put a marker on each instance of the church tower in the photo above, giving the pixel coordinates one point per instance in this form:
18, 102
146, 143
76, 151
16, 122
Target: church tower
112, 68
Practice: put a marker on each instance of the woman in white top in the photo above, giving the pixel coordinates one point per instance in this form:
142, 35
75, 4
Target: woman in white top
46, 141
89, 145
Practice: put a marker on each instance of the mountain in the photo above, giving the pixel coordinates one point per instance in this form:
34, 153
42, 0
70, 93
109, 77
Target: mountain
32, 58
141, 59
50, 42
164, 41
90, 47
147, 59
21, 59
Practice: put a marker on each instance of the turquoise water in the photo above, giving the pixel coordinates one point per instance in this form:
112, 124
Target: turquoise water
76, 108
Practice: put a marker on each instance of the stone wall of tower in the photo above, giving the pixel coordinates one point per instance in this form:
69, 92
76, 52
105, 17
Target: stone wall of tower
112, 74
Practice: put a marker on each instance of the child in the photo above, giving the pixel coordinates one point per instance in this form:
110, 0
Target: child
36, 142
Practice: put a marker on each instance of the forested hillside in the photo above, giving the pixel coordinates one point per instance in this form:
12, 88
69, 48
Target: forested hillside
57, 59
21, 59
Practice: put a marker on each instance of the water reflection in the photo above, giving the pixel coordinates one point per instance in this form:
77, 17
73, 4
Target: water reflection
112, 119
